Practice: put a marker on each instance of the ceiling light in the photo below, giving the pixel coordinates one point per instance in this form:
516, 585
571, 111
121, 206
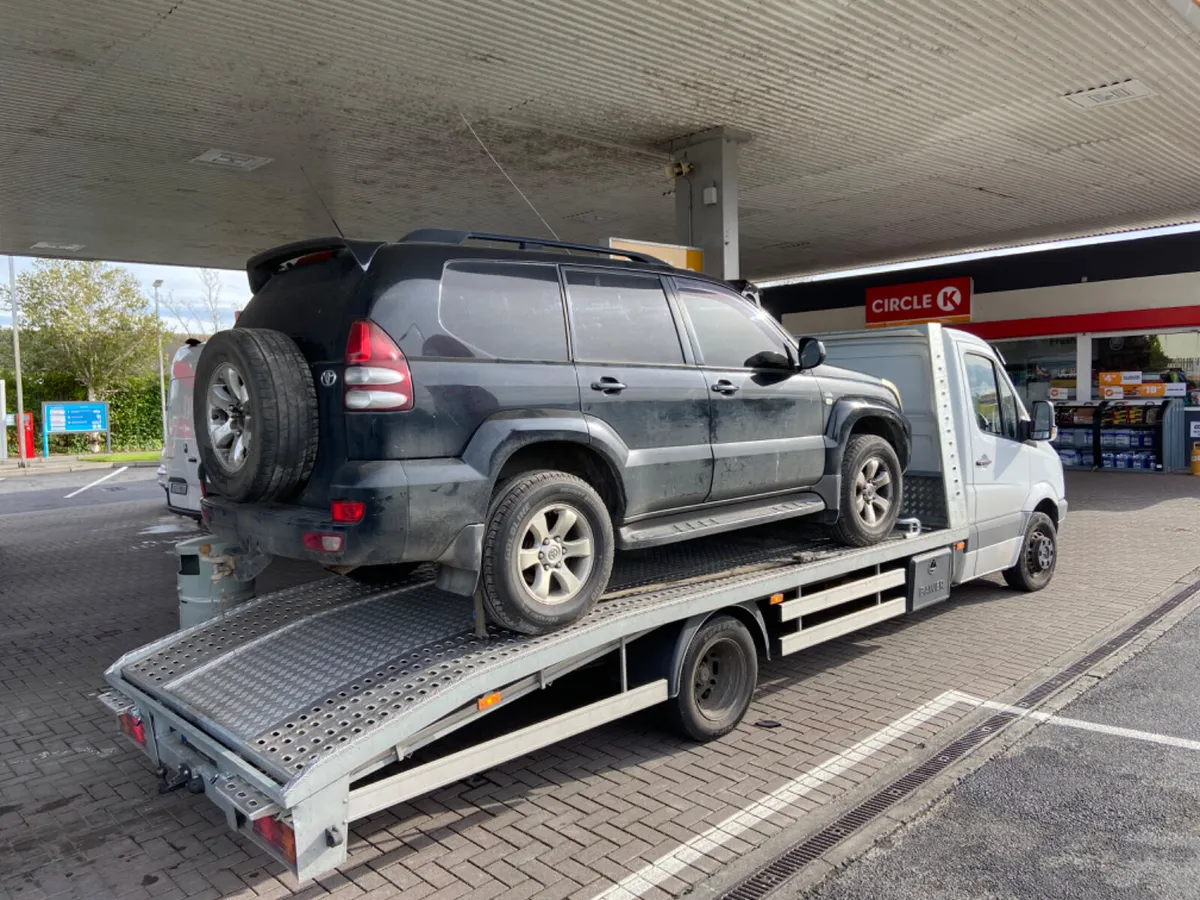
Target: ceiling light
1109, 94
228, 159
55, 245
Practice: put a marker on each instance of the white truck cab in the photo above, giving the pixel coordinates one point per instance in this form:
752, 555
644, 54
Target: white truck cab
1009, 474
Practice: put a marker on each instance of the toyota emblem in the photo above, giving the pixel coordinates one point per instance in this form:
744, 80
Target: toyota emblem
329, 378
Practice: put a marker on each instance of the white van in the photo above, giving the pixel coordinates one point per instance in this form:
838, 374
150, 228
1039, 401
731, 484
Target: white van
179, 466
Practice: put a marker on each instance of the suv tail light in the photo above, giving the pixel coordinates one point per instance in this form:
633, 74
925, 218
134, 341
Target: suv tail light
347, 511
377, 374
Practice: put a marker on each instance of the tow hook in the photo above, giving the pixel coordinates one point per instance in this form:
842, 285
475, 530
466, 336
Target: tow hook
183, 778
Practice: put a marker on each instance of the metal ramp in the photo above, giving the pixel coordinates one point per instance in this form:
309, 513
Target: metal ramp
331, 679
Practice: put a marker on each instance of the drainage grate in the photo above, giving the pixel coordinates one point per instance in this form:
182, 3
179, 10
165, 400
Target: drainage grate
785, 866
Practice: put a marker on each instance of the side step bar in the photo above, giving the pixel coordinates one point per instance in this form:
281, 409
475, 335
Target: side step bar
685, 526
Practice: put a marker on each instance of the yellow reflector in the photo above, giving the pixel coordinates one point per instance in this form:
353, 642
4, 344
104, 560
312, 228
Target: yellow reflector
488, 700
776, 598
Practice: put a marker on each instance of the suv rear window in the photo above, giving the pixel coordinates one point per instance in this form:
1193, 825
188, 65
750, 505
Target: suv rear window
621, 317
502, 310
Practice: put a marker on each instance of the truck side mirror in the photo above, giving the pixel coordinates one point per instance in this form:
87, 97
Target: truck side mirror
1042, 426
812, 353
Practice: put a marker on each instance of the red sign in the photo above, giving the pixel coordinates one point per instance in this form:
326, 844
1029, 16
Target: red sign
944, 300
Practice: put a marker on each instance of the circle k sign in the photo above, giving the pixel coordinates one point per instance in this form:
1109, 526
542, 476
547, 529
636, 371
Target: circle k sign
944, 300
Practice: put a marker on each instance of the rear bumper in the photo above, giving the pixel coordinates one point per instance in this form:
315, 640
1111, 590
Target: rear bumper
415, 511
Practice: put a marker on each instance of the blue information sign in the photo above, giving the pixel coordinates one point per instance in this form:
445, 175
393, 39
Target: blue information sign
72, 417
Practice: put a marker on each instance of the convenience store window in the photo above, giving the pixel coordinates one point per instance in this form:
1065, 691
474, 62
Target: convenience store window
1041, 368
1150, 366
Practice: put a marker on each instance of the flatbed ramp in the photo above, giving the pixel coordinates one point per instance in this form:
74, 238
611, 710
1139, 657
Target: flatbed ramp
287, 704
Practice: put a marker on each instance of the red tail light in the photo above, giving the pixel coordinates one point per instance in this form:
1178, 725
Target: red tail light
348, 511
377, 375
279, 835
132, 726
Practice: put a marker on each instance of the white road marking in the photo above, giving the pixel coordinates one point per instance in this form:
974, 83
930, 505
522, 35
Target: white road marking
96, 482
1081, 724
653, 874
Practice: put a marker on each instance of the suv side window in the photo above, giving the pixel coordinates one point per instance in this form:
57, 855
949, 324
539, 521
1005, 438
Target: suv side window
501, 310
732, 333
621, 317
994, 401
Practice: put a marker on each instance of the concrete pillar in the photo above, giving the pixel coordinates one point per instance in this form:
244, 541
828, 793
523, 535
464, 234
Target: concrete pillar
706, 197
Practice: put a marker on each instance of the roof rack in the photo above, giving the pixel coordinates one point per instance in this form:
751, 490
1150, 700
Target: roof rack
451, 236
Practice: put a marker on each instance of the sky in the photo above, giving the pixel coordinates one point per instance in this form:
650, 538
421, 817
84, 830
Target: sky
180, 284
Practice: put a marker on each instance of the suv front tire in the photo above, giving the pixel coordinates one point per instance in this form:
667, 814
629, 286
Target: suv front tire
547, 552
870, 492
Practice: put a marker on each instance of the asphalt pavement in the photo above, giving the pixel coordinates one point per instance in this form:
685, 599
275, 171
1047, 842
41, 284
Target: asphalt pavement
67, 490
1101, 801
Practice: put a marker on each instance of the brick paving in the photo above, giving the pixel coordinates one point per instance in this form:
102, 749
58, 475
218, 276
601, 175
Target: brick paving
80, 815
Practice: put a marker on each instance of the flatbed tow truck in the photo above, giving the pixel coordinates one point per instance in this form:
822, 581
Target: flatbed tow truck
300, 712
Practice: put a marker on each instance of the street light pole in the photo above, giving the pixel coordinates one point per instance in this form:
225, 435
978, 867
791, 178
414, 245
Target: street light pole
16, 330
162, 381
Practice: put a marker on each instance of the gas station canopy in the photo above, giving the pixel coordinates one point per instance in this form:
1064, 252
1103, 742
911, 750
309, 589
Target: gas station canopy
196, 133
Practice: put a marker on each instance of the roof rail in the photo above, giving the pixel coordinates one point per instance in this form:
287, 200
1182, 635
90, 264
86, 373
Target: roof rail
451, 236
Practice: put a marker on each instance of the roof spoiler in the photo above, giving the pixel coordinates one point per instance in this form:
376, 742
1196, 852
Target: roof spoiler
261, 267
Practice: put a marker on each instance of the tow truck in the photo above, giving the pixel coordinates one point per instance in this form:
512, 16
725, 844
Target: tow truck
304, 710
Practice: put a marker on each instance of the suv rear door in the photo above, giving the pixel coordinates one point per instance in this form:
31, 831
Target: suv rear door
636, 381
767, 417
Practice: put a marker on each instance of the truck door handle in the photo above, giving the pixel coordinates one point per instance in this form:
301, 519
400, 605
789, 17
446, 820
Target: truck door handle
608, 385
725, 387
983, 462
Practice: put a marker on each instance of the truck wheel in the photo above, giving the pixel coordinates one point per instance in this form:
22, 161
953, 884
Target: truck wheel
1039, 556
547, 552
716, 680
871, 491
256, 415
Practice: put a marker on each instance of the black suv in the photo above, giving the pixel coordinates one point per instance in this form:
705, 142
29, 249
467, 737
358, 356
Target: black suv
516, 410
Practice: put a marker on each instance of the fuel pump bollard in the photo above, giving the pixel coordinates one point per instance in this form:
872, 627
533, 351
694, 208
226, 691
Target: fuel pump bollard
207, 584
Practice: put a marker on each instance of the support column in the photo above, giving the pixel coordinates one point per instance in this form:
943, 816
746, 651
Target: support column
706, 197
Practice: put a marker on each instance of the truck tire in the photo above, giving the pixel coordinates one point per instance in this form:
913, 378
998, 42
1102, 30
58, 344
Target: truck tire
716, 680
547, 552
256, 415
871, 491
1039, 556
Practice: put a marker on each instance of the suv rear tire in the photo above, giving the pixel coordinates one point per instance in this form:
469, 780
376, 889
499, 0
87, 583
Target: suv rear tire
871, 491
547, 552
256, 415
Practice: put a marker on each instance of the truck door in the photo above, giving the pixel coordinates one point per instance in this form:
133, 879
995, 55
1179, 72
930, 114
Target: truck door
998, 464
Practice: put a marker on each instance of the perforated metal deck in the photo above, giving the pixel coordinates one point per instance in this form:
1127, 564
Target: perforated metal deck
301, 680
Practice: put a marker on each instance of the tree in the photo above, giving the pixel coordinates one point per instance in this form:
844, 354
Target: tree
91, 320
200, 318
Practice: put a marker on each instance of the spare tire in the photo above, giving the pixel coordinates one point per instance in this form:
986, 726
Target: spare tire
256, 415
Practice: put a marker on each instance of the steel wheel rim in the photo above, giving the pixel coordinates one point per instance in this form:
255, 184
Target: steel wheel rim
556, 554
874, 491
229, 417
717, 680
1039, 553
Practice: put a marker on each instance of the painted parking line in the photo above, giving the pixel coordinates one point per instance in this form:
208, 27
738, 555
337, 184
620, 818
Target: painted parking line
668, 865
1150, 737
96, 482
